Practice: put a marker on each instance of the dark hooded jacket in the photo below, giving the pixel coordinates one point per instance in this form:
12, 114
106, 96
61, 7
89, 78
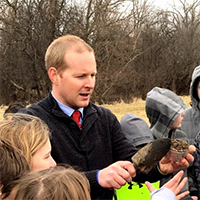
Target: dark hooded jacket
136, 130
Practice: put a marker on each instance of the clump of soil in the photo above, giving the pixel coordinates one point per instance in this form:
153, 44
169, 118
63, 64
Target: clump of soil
179, 145
178, 150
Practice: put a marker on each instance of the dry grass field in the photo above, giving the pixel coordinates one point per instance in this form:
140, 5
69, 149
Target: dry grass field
120, 109
137, 108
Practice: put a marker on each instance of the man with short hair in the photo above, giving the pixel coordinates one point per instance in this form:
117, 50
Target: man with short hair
99, 146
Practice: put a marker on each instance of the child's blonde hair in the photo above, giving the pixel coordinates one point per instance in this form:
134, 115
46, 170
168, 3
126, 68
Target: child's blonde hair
13, 166
54, 183
25, 132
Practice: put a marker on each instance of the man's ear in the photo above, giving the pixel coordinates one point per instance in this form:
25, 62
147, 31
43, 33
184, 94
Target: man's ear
53, 75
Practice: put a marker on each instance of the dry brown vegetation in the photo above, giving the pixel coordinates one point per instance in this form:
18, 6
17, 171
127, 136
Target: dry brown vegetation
137, 46
120, 109
137, 108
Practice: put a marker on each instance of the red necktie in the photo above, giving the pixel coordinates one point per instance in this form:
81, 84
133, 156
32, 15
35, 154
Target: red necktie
76, 116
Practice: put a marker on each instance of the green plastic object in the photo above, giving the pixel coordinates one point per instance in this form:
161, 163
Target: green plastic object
138, 192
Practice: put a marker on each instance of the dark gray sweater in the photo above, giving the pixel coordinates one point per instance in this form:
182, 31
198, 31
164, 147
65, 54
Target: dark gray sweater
98, 144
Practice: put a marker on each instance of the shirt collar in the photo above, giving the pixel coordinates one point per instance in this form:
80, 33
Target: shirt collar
66, 109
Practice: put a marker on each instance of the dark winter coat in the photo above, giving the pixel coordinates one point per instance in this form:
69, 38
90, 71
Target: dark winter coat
98, 144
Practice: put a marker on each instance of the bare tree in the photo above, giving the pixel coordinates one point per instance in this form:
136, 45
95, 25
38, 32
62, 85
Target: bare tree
136, 46
27, 29
180, 28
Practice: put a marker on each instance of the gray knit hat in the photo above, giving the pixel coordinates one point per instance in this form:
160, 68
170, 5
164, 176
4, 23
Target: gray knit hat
136, 130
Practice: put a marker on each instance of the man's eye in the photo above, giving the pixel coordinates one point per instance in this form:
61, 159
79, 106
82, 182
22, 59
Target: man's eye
82, 76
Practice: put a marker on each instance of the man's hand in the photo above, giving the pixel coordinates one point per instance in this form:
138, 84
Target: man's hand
167, 166
116, 175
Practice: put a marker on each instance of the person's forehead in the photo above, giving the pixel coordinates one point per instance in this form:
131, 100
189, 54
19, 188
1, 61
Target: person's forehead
75, 57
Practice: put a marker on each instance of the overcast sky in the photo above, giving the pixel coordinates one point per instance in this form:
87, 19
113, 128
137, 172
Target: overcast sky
167, 3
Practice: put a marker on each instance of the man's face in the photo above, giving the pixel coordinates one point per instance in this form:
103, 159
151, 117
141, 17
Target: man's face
76, 83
